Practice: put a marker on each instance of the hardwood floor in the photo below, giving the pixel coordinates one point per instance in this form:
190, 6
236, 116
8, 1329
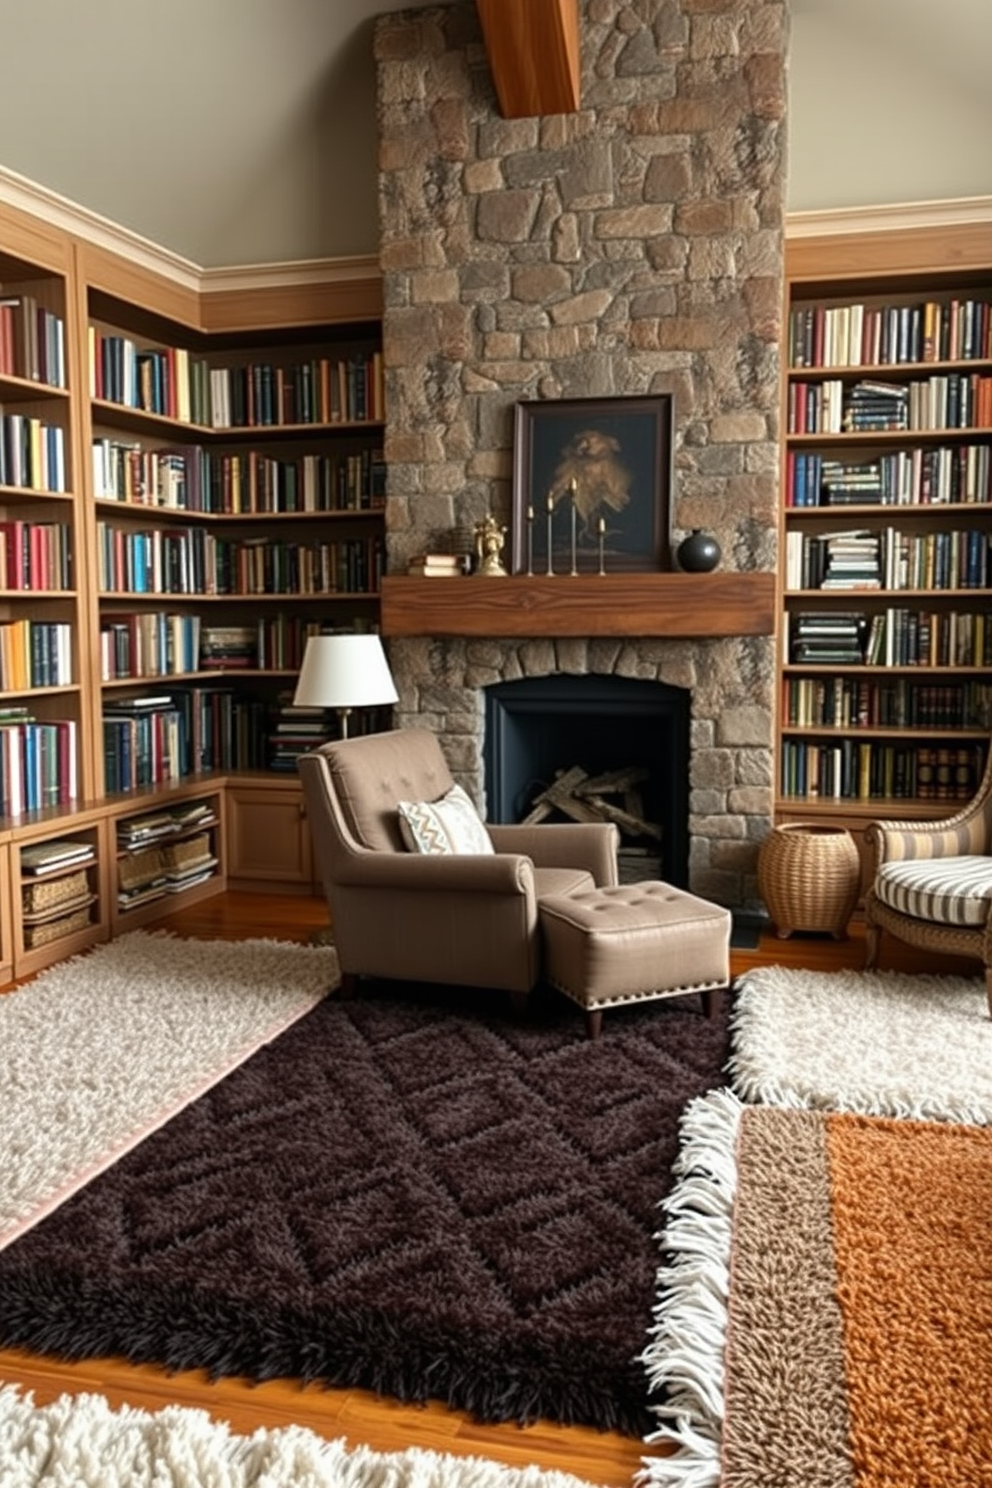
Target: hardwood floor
385, 1425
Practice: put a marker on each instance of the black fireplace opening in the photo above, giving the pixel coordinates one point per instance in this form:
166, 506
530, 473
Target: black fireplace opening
546, 731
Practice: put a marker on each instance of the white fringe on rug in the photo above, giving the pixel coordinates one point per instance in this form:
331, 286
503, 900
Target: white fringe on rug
81, 1441
685, 1357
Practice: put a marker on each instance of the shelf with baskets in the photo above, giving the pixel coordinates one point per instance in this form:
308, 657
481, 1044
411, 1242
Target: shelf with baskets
238, 495
58, 898
885, 665
172, 849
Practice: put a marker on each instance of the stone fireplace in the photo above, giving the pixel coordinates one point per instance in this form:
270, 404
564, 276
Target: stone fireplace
634, 247
540, 730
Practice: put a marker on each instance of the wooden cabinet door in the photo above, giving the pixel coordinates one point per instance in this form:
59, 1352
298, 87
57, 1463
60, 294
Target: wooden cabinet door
268, 837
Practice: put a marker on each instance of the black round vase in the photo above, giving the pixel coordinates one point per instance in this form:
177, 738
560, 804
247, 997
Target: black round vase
698, 553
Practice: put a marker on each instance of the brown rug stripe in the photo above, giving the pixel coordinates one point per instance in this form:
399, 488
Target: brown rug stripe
786, 1420
911, 1209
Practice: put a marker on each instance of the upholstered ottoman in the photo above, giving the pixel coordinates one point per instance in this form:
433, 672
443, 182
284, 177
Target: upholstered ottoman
634, 942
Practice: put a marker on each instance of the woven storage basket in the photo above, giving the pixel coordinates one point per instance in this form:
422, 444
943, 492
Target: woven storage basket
808, 877
139, 868
38, 935
48, 892
192, 850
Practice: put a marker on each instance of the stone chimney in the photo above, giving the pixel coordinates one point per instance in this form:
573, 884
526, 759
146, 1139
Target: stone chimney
634, 247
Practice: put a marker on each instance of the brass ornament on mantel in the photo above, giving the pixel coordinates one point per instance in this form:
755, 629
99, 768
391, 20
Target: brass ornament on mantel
490, 536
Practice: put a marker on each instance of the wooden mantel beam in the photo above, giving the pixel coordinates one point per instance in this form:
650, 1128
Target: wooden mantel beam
533, 48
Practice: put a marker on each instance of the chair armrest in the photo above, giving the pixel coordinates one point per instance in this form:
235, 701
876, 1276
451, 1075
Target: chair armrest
589, 845
482, 873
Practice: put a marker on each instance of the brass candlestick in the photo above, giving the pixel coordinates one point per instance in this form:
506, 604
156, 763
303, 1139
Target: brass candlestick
551, 512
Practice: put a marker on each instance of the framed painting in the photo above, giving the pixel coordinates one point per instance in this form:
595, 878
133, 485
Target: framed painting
592, 485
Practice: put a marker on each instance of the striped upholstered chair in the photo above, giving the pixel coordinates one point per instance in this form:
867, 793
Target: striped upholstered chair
930, 883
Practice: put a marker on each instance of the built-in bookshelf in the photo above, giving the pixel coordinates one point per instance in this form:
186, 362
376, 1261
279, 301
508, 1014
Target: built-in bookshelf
43, 706
191, 485
237, 495
885, 694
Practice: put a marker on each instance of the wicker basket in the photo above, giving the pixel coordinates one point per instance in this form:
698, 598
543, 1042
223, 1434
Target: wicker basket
39, 935
809, 878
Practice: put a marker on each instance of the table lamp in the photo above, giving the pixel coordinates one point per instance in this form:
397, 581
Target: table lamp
344, 672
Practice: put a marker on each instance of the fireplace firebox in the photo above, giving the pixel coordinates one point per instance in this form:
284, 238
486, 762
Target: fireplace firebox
537, 728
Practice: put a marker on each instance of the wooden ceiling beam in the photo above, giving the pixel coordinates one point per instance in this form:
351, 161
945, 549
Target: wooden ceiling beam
533, 48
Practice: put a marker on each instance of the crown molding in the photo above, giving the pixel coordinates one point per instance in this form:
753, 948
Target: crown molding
69, 217
301, 272
969, 210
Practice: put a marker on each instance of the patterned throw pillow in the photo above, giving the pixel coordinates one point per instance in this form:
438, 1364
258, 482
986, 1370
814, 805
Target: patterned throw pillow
451, 825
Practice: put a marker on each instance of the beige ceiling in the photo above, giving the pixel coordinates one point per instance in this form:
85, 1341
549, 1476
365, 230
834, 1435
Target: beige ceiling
243, 131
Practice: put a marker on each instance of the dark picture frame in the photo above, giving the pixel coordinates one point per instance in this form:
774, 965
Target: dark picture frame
618, 452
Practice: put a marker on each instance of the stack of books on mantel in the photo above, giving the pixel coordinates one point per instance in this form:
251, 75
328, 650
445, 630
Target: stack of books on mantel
439, 565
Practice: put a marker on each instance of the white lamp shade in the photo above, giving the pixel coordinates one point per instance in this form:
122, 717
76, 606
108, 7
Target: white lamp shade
344, 671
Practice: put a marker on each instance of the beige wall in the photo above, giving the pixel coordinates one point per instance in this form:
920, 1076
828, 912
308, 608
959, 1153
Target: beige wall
243, 131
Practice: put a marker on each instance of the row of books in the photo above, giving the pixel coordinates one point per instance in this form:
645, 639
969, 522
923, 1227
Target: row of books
190, 478
918, 477
148, 644
852, 703
875, 335
859, 770
32, 340
890, 559
192, 561
890, 637
32, 453
35, 653
168, 737
145, 644
281, 640
38, 762
35, 555
171, 382
953, 400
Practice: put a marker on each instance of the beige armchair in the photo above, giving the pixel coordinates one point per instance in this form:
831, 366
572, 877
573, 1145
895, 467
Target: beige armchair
930, 883
465, 919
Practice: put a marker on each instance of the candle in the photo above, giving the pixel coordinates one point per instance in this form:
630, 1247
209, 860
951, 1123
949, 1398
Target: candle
602, 541
574, 532
551, 508
551, 505
530, 514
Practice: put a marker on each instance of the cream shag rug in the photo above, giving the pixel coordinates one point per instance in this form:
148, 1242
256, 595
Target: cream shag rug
103, 1048
883, 1043
81, 1441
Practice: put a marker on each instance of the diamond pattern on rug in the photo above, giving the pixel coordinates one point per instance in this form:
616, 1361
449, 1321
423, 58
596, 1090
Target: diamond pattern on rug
422, 1194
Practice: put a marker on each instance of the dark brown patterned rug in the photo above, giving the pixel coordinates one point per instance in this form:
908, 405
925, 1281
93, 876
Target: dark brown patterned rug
420, 1193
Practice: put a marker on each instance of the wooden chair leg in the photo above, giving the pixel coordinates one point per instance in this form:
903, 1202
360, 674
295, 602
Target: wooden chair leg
708, 1000
594, 1022
873, 942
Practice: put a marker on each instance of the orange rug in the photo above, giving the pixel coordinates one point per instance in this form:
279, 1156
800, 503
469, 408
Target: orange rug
855, 1346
